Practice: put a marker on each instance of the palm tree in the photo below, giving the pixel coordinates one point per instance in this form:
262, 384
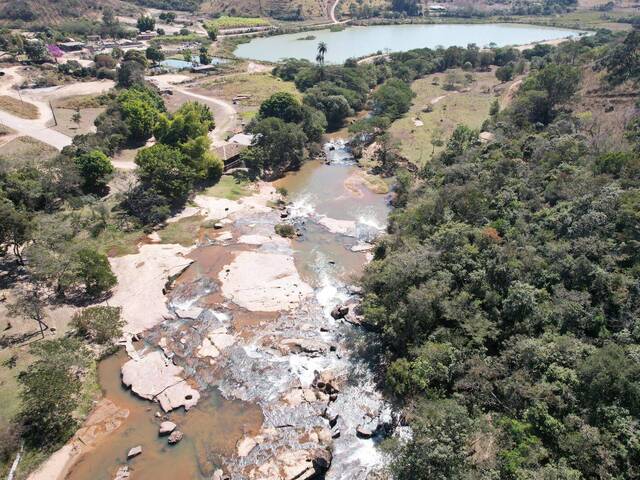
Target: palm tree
322, 50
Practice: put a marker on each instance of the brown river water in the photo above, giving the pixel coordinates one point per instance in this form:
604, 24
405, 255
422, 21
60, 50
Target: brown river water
213, 428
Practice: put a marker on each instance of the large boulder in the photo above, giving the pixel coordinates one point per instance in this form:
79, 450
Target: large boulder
329, 381
245, 445
134, 452
175, 437
339, 311
166, 428
304, 345
122, 473
155, 377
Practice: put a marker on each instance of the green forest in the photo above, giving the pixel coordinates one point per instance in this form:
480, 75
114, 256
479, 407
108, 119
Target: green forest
507, 293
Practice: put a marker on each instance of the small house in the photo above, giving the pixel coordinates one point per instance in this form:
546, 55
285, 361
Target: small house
436, 9
203, 68
147, 35
71, 46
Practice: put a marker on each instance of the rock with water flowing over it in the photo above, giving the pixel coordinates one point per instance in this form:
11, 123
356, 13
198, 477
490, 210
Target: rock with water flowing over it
219, 475
245, 445
175, 437
122, 473
294, 465
134, 452
166, 428
339, 311
304, 345
329, 381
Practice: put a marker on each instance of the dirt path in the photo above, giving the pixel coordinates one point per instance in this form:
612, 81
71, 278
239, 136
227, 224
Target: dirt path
41, 98
225, 116
224, 113
437, 99
332, 12
511, 91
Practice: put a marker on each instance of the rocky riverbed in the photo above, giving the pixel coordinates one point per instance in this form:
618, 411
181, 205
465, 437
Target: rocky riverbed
252, 316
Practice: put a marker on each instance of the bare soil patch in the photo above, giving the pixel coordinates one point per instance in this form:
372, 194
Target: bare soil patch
23, 150
19, 108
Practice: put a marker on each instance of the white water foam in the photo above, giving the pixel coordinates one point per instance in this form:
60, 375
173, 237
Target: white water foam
303, 206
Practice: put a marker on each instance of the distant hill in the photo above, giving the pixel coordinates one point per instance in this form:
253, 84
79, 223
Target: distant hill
280, 9
52, 12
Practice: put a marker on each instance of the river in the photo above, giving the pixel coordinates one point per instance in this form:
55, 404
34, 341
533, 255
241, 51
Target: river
289, 390
354, 42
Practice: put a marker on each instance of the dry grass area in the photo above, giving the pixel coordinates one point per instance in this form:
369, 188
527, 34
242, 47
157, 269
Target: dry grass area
581, 19
468, 105
23, 150
4, 131
55, 12
18, 108
80, 101
265, 8
87, 106
604, 111
16, 358
67, 121
257, 87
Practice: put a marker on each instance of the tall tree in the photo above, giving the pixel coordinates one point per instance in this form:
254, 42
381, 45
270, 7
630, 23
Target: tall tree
322, 51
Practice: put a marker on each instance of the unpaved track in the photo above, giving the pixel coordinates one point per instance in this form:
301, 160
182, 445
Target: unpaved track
40, 97
225, 115
332, 12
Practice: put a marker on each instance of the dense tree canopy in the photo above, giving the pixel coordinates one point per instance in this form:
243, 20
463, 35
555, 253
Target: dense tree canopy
279, 146
507, 296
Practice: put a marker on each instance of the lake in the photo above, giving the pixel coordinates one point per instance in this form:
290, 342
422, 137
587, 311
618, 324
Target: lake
361, 41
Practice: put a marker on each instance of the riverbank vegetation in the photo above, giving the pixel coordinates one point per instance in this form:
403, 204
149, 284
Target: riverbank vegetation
506, 290
60, 217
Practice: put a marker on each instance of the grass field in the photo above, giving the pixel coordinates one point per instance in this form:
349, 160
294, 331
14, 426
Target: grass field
18, 108
22, 150
183, 232
450, 108
229, 187
225, 22
89, 107
80, 101
582, 19
256, 86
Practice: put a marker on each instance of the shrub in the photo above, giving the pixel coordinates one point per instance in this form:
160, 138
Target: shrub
285, 230
99, 324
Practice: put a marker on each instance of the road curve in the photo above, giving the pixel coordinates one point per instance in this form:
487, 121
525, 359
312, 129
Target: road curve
35, 129
225, 116
332, 12
40, 97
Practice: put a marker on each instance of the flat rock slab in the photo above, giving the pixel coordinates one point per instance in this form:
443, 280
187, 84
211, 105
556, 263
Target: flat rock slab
156, 378
166, 428
266, 282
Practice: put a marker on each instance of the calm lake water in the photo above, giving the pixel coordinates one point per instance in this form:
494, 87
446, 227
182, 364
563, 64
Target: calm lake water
360, 41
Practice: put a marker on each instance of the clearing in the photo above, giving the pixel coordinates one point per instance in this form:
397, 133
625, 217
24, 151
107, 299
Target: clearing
23, 150
248, 89
229, 187
87, 106
469, 104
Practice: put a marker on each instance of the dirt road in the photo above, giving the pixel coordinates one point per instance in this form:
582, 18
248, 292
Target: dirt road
224, 113
332, 12
41, 98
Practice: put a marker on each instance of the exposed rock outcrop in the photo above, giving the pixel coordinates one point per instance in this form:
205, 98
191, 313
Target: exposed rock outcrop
134, 452
166, 428
175, 437
155, 377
